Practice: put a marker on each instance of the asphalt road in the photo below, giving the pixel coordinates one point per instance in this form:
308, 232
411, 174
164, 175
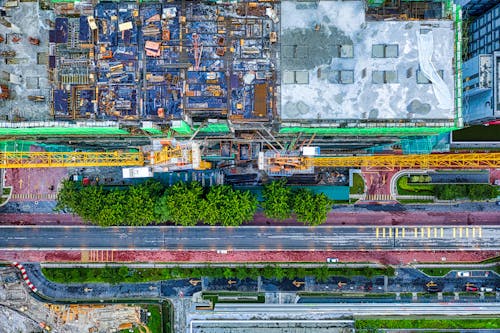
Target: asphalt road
251, 238
368, 309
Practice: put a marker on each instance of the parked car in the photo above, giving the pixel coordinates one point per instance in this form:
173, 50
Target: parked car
332, 259
463, 274
471, 287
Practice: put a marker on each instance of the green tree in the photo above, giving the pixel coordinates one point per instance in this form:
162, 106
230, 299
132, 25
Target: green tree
311, 208
68, 197
227, 206
277, 200
181, 204
481, 192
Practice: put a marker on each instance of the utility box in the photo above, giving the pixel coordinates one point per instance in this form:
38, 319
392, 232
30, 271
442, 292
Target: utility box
310, 151
141, 172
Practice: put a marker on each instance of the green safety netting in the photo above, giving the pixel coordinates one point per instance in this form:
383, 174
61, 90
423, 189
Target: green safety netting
153, 131
182, 128
215, 128
368, 131
24, 146
36, 131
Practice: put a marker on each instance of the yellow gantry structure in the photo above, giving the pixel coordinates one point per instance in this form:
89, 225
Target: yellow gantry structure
452, 161
15, 160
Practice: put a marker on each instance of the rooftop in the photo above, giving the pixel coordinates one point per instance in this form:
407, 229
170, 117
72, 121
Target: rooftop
336, 65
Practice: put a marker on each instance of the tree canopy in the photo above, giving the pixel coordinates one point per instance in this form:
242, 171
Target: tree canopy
188, 204
277, 200
227, 206
311, 208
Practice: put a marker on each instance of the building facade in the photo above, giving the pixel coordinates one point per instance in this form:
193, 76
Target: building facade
480, 71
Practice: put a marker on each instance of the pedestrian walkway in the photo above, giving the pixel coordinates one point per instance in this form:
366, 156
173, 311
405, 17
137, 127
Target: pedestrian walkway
429, 232
34, 196
97, 255
378, 197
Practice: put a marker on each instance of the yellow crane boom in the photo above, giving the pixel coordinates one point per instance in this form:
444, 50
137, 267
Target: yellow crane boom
456, 161
13, 160
16, 160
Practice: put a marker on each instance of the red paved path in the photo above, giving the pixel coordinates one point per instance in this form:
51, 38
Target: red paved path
334, 218
384, 257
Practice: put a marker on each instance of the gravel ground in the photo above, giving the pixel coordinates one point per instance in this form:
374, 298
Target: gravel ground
13, 321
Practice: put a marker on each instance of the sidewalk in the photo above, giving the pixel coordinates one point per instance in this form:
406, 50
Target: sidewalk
382, 257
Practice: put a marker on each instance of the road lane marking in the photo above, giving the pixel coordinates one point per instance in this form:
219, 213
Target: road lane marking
422, 232
467, 232
435, 232
383, 232
396, 232
473, 232
376, 232
416, 232
442, 232
390, 232
454, 232
403, 232
428, 232
480, 231
460, 231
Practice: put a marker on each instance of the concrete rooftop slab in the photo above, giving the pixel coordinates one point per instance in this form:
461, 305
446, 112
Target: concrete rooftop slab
384, 86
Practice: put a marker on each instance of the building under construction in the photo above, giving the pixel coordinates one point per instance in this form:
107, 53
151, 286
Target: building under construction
248, 73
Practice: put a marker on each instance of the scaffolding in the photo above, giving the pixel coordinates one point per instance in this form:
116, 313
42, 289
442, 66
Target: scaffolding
376, 131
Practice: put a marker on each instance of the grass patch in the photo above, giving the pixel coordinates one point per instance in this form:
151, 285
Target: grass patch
154, 321
404, 188
358, 186
413, 201
168, 316
491, 260
436, 271
370, 324
125, 274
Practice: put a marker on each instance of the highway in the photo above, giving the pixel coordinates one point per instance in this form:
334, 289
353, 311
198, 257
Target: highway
250, 238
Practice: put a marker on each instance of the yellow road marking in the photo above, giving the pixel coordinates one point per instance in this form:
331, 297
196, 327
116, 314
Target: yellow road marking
442, 232
376, 232
454, 232
403, 232
428, 232
480, 231
466, 232
416, 232
390, 232
435, 232
473, 232
396, 231
460, 232
422, 232
383, 232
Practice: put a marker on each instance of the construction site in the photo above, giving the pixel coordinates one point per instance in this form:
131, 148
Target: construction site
21, 312
229, 92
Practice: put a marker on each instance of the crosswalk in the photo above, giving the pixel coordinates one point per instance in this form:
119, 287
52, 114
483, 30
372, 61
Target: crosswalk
379, 197
34, 196
428, 232
97, 255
